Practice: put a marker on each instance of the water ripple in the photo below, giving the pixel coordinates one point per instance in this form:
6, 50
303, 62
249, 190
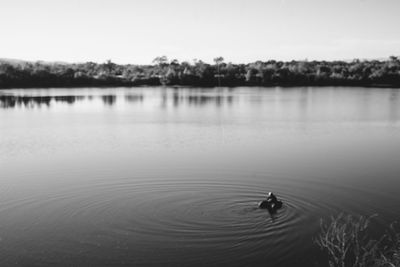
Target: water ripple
189, 213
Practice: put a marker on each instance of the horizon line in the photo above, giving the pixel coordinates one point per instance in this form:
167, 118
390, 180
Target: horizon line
18, 60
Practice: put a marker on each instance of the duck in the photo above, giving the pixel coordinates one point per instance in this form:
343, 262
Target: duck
272, 204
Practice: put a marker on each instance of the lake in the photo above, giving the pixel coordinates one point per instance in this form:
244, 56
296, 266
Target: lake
155, 176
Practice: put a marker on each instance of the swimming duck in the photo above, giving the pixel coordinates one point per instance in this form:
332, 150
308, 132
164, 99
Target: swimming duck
271, 203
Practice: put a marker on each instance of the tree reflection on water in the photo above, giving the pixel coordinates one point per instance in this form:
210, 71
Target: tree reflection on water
177, 98
12, 101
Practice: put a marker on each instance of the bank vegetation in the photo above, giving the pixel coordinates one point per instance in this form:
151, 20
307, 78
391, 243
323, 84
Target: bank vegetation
380, 73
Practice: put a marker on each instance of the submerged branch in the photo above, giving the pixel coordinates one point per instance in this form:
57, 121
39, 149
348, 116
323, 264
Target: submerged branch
346, 241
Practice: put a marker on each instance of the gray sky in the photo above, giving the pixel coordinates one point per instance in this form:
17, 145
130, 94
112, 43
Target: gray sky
133, 31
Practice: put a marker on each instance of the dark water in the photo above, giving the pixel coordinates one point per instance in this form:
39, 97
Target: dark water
172, 177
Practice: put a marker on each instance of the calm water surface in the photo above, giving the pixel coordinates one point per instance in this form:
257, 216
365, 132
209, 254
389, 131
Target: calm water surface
172, 176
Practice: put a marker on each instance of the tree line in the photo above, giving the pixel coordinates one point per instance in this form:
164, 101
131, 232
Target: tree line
22, 74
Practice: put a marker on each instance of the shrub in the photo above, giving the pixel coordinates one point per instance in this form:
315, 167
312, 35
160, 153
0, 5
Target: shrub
347, 243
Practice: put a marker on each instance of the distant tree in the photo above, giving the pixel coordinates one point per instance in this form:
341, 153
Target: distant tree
171, 77
393, 58
250, 75
109, 67
174, 62
218, 61
161, 61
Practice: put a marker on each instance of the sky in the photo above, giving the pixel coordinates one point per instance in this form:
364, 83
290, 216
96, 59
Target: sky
241, 31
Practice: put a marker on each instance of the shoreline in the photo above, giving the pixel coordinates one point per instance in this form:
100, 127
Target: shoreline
381, 86
271, 73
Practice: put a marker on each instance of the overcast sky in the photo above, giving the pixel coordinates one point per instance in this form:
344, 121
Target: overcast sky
133, 31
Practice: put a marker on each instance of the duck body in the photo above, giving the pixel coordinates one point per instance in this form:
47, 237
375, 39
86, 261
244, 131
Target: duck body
270, 206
